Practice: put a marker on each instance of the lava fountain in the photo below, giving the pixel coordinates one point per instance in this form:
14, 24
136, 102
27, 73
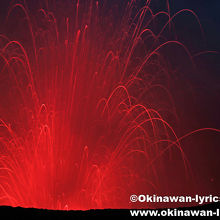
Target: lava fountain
85, 102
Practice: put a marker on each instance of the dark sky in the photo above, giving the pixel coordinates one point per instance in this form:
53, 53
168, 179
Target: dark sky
208, 12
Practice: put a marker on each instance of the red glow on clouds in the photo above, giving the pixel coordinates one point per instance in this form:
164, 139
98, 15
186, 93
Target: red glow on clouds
87, 117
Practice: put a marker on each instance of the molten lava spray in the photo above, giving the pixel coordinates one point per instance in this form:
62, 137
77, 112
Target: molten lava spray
87, 117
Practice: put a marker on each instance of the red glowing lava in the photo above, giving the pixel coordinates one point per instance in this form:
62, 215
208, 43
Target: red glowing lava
82, 121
